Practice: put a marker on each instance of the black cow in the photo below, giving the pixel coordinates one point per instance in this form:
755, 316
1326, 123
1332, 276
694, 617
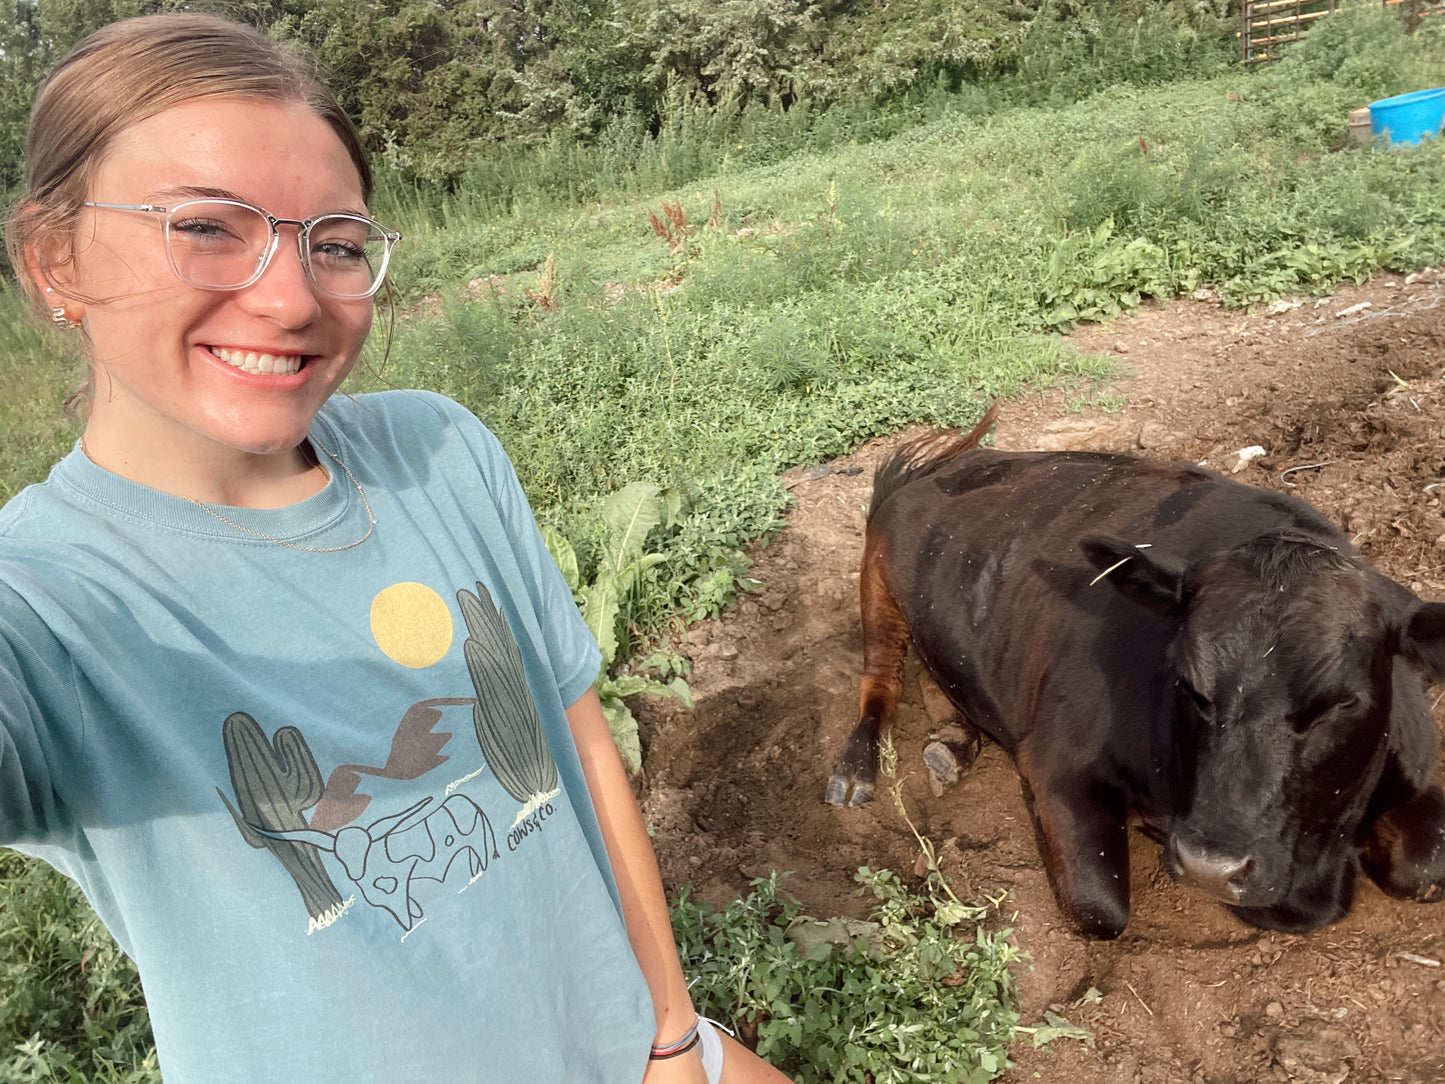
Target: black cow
1154, 643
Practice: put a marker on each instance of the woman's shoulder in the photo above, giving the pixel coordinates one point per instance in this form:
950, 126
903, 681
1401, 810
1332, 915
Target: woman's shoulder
375, 414
406, 431
44, 512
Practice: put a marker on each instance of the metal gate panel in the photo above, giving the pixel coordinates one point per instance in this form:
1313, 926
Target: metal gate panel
1268, 24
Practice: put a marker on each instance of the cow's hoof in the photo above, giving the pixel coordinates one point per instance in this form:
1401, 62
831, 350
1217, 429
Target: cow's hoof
837, 792
942, 765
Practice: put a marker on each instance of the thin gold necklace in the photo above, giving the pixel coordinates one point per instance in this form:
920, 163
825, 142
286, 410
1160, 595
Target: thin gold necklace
370, 516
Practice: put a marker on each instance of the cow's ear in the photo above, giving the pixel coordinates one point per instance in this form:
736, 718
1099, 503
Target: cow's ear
1152, 576
1423, 642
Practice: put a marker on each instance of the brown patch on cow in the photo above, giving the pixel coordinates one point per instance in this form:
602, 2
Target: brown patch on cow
885, 638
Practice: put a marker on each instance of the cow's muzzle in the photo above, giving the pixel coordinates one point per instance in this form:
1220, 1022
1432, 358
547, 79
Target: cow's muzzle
1226, 877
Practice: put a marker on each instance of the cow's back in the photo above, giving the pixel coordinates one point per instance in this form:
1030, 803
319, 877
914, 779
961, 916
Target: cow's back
982, 554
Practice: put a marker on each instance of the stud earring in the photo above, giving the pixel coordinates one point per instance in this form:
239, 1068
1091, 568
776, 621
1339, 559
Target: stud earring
61, 319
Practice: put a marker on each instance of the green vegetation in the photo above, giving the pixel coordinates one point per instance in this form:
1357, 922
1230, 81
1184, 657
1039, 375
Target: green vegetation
732, 273
37, 376
922, 993
437, 89
630, 515
72, 1011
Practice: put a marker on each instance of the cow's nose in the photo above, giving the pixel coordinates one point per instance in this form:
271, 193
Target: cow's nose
1221, 875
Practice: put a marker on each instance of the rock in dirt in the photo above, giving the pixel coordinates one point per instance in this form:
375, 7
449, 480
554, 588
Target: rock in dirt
1154, 435
1315, 1051
1246, 457
808, 933
1085, 433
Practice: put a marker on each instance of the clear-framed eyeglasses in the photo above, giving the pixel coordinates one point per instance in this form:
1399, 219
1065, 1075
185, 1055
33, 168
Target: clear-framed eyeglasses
224, 244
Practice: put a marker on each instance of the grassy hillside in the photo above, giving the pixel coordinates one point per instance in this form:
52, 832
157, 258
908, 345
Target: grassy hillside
787, 311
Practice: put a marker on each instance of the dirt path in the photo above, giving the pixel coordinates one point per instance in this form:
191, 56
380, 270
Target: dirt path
1188, 993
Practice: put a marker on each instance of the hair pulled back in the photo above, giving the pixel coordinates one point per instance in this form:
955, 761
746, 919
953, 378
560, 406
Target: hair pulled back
122, 74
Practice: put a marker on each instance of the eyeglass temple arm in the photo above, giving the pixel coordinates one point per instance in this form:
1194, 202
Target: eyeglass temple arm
125, 206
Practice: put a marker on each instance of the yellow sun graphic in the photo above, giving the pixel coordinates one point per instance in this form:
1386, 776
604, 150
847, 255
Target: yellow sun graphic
411, 624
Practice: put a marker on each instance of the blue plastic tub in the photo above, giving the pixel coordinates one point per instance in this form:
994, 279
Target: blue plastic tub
1408, 118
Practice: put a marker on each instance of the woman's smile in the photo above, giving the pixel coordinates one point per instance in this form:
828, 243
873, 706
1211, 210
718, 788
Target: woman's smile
256, 362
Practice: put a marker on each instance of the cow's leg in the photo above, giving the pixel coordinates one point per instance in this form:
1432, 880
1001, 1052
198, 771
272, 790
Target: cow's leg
885, 644
1083, 837
955, 743
1405, 851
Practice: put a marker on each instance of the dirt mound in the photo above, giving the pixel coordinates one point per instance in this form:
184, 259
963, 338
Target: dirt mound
1345, 398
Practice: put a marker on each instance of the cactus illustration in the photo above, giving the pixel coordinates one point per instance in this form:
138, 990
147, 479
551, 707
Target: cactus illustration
508, 729
274, 782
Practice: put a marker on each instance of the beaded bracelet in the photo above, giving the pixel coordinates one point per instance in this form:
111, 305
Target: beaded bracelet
679, 1046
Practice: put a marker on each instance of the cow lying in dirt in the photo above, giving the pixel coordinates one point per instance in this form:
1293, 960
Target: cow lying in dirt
1156, 644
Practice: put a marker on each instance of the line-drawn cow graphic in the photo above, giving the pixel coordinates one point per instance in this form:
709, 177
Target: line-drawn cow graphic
419, 843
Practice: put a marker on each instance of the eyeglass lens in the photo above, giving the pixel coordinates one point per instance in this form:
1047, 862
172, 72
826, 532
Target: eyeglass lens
219, 245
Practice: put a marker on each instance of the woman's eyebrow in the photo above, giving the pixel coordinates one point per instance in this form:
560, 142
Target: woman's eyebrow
181, 192
189, 191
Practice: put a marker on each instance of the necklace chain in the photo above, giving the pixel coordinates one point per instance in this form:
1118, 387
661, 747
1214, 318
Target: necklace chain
370, 516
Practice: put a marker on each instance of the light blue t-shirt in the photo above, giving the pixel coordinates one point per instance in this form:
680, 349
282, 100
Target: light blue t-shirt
328, 801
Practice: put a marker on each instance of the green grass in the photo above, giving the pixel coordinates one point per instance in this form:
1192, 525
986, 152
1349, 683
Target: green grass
921, 993
36, 377
72, 1010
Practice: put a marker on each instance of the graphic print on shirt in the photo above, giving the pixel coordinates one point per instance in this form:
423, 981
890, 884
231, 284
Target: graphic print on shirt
444, 831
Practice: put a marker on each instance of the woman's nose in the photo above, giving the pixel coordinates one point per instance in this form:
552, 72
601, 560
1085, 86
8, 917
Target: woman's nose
284, 292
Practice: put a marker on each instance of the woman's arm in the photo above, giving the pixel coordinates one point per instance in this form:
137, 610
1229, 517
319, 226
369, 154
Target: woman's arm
644, 904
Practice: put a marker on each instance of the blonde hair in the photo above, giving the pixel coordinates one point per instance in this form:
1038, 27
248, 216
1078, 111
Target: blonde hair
122, 74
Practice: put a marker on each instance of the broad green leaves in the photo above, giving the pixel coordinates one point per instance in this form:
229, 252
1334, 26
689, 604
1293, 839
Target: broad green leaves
630, 515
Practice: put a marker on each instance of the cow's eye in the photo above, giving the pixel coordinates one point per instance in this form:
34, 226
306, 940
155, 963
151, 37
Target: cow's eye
1324, 708
1202, 703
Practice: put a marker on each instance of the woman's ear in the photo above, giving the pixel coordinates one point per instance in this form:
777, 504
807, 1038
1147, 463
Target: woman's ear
49, 265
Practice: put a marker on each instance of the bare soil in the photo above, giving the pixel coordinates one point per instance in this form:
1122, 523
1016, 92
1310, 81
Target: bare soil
1350, 413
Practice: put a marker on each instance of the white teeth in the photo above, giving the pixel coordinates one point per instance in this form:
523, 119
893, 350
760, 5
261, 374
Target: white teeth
248, 361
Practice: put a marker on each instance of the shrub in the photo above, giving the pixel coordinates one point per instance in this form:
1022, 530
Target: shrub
923, 993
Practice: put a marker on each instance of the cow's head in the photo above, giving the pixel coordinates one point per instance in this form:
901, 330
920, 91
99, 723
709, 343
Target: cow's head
1289, 663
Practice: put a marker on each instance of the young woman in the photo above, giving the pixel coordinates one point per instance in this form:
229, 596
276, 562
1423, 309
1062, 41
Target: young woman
288, 683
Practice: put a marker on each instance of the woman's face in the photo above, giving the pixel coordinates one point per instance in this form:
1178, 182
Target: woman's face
166, 356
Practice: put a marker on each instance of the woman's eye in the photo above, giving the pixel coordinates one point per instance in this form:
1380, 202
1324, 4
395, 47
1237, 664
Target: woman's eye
200, 229
338, 251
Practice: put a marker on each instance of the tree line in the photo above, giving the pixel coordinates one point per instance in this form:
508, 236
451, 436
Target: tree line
430, 82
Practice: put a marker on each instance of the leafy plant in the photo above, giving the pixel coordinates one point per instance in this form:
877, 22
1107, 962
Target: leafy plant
630, 515
925, 995
72, 1010
1091, 275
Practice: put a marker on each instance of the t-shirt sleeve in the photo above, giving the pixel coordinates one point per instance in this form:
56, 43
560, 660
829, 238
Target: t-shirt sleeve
30, 808
575, 657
